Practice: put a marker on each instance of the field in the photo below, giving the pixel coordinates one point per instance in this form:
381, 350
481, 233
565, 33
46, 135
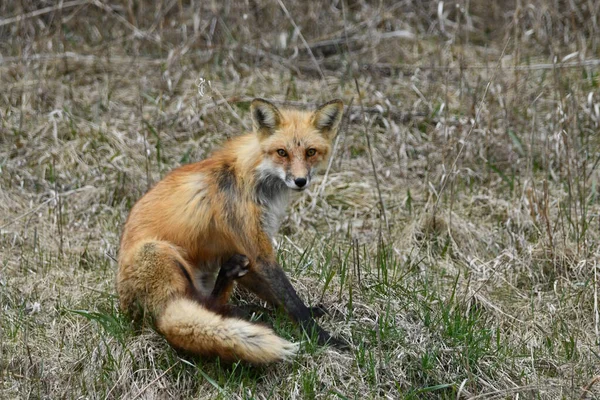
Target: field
454, 238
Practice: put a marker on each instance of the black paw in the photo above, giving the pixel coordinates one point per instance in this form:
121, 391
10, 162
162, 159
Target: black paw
318, 311
325, 339
338, 343
235, 267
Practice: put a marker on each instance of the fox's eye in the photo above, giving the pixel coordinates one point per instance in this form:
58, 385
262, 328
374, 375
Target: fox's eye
311, 152
282, 153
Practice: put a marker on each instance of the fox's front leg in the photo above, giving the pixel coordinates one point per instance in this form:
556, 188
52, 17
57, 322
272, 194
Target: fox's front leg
267, 279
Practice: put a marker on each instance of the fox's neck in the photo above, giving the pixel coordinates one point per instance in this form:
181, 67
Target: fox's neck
268, 191
273, 196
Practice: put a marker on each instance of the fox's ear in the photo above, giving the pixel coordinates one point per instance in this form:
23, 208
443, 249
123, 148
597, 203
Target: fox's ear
265, 117
327, 117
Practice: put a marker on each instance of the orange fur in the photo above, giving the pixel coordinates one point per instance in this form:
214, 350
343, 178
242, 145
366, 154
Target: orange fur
203, 213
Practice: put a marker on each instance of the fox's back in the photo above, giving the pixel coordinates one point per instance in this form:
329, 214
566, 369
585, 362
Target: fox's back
193, 209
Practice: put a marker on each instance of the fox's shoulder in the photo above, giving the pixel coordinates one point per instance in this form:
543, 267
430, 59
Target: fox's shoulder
237, 154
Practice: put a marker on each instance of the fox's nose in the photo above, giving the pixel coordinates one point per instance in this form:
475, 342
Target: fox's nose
300, 182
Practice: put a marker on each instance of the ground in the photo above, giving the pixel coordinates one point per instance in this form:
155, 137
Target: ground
454, 237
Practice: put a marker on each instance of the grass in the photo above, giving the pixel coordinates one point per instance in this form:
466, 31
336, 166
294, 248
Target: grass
455, 239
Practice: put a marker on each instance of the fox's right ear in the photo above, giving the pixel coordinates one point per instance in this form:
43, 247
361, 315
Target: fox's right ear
265, 117
327, 118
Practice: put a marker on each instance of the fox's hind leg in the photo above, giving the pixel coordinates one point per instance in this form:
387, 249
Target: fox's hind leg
150, 275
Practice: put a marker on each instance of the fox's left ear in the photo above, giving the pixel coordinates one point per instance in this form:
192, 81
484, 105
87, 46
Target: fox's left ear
327, 117
266, 118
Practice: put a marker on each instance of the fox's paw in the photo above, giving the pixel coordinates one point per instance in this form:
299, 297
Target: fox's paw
235, 267
338, 343
318, 311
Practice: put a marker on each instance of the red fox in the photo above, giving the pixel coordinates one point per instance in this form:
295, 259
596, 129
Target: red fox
208, 224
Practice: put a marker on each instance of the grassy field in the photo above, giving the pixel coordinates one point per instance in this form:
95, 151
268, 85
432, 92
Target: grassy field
455, 238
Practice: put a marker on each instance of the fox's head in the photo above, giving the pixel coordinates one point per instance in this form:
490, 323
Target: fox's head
295, 144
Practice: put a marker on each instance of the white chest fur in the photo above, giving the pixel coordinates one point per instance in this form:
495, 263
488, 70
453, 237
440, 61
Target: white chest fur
274, 210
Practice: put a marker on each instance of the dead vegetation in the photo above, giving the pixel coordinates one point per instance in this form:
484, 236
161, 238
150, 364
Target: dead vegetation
457, 248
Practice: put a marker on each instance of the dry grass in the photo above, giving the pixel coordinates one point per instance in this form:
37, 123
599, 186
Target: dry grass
483, 124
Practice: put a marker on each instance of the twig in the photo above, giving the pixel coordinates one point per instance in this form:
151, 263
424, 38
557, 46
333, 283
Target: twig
146, 151
42, 11
586, 389
596, 314
278, 60
533, 67
224, 101
356, 262
34, 209
343, 129
461, 388
306, 45
475, 122
364, 122
116, 383
96, 290
403, 34
154, 381
107, 254
88, 58
371, 157
136, 32
379, 349
59, 206
506, 392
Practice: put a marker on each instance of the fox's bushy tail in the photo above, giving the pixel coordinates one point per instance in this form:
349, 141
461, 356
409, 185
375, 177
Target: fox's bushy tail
190, 326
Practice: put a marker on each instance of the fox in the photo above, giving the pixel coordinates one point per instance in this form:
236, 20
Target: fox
209, 226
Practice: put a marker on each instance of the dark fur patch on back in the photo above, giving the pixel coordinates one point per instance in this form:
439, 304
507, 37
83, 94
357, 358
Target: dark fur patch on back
227, 183
226, 180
